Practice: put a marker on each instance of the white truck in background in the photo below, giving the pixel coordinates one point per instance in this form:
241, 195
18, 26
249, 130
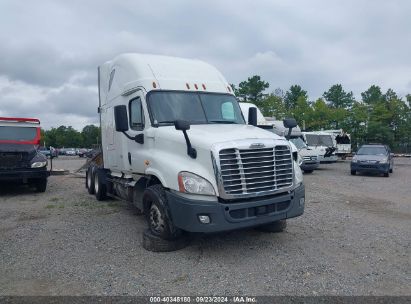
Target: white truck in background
309, 156
175, 144
342, 142
324, 143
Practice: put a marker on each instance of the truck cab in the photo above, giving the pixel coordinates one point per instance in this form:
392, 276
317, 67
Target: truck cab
20, 159
176, 145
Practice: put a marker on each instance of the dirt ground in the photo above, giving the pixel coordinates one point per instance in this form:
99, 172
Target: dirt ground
353, 239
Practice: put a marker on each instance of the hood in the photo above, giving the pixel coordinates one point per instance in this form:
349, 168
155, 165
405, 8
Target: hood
18, 148
205, 136
308, 152
370, 157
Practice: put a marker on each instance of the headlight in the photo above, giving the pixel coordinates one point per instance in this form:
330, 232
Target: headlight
298, 174
384, 161
354, 160
299, 160
39, 164
192, 183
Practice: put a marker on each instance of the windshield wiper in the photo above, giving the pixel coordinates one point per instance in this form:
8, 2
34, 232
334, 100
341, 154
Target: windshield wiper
223, 121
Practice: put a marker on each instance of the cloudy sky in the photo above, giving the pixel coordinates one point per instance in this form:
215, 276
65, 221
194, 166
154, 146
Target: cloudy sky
50, 50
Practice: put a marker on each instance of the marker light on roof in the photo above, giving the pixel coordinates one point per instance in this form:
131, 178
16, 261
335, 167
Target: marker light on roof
204, 87
154, 85
228, 88
196, 86
188, 86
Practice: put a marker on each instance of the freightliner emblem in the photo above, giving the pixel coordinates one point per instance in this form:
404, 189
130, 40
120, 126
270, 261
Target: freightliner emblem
257, 145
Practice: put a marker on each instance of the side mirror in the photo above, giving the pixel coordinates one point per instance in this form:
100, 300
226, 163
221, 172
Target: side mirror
252, 116
289, 123
182, 125
121, 118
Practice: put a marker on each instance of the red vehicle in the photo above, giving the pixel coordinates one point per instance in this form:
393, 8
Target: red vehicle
20, 159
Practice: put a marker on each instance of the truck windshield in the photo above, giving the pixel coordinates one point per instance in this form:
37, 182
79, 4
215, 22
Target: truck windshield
298, 142
17, 133
196, 108
319, 140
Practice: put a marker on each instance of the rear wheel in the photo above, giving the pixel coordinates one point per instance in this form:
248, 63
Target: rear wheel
40, 184
353, 172
90, 180
278, 226
387, 174
100, 188
158, 216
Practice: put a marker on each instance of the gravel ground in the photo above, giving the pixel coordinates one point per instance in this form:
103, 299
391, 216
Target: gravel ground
354, 239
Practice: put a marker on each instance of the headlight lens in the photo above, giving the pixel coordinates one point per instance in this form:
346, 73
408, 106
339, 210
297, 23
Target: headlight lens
39, 164
192, 183
299, 160
298, 175
354, 160
384, 161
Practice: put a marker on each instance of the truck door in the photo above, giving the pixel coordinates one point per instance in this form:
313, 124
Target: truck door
135, 153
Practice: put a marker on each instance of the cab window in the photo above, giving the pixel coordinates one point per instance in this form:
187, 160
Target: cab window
136, 114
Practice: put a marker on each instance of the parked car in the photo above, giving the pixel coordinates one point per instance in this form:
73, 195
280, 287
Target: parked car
82, 152
373, 158
48, 152
71, 152
310, 160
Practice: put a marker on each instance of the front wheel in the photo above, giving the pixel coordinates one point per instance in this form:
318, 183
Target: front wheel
353, 172
40, 185
387, 174
157, 214
278, 226
90, 180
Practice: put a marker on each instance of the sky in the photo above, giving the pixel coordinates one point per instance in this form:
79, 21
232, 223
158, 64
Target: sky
50, 50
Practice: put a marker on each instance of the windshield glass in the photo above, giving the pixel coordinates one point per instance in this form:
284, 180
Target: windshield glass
319, 140
298, 142
17, 133
196, 108
372, 151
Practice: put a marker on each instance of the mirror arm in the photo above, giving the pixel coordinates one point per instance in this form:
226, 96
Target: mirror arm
190, 150
137, 138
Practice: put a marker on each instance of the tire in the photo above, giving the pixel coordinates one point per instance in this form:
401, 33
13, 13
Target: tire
157, 214
387, 174
99, 187
353, 172
278, 226
308, 171
41, 185
154, 243
391, 170
90, 181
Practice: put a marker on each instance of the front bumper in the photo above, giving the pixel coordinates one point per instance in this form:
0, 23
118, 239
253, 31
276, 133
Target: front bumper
23, 174
236, 215
370, 167
309, 165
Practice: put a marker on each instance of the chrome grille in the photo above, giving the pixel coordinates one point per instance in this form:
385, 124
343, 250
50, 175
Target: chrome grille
314, 158
251, 171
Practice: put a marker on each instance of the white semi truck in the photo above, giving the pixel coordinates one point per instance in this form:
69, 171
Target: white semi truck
176, 145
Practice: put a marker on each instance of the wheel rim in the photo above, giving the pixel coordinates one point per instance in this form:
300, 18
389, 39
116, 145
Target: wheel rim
156, 220
89, 180
96, 183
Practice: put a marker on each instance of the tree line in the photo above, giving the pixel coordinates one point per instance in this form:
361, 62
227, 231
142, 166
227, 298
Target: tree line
378, 117
68, 137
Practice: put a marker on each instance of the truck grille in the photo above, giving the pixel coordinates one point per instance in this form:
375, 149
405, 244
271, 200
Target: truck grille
248, 171
12, 160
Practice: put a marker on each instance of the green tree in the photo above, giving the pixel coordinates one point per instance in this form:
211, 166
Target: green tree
273, 106
252, 89
303, 112
90, 135
338, 98
291, 96
320, 116
372, 95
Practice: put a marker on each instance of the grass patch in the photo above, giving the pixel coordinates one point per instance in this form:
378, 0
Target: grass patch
50, 206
